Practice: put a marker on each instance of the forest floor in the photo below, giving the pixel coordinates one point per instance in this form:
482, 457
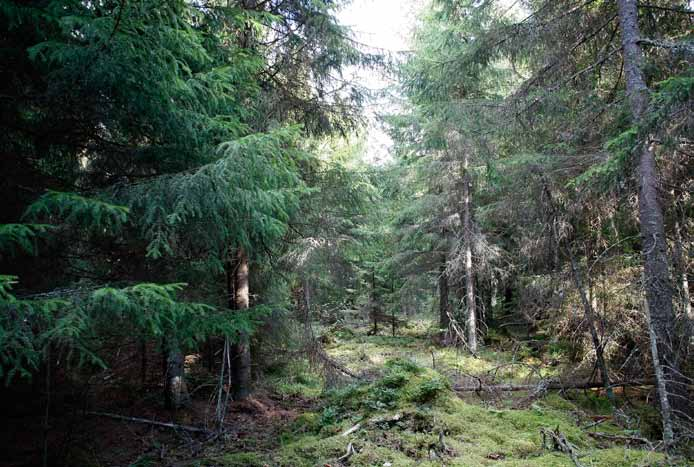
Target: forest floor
404, 410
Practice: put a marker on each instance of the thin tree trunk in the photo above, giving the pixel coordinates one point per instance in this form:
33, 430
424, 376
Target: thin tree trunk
307, 306
143, 362
240, 354
392, 314
589, 314
493, 300
673, 395
444, 317
374, 310
176, 389
469, 272
681, 268
587, 301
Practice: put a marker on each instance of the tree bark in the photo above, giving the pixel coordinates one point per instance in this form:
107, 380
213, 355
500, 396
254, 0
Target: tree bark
176, 388
392, 311
681, 269
374, 308
307, 306
240, 354
587, 301
444, 317
661, 317
469, 271
588, 311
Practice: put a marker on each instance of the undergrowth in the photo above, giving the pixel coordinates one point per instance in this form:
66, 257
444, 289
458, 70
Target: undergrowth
408, 415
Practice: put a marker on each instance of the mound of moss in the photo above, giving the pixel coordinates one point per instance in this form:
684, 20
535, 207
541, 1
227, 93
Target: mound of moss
410, 416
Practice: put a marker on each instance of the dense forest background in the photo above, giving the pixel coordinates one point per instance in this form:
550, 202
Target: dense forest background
192, 235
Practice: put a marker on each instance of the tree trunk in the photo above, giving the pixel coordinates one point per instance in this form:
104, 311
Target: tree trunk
493, 300
392, 312
587, 299
444, 316
176, 389
681, 269
240, 354
589, 313
143, 362
307, 306
374, 308
661, 317
469, 272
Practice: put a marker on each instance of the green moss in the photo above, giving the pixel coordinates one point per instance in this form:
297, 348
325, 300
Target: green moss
403, 365
402, 413
241, 459
621, 457
311, 450
425, 389
308, 422
295, 380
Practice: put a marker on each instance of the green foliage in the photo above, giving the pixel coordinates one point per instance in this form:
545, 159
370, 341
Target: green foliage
403, 366
21, 237
620, 149
79, 211
71, 322
427, 390
248, 195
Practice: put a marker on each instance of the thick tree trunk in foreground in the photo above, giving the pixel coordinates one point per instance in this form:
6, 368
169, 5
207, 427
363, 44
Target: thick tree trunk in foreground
240, 352
176, 389
661, 317
444, 316
469, 272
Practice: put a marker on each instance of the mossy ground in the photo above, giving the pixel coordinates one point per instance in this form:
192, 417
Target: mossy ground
408, 414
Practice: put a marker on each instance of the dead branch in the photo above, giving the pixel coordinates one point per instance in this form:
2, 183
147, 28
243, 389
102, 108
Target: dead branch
147, 421
351, 430
555, 439
621, 438
348, 454
325, 358
546, 385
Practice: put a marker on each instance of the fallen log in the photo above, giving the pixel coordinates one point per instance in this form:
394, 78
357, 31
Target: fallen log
325, 358
620, 438
354, 429
147, 421
548, 385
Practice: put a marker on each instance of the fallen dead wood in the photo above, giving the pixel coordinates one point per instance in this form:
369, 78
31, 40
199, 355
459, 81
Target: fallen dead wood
325, 358
596, 423
555, 439
620, 438
351, 430
547, 385
147, 421
348, 454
